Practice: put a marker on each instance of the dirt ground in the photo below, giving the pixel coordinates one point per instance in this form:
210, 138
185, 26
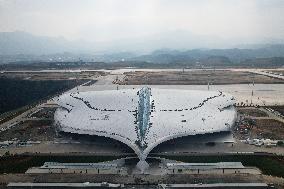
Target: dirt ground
256, 123
128, 179
268, 128
44, 113
278, 181
51, 75
278, 71
280, 109
35, 130
197, 77
254, 112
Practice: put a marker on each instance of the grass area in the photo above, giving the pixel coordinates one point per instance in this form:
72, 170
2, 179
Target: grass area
21, 163
269, 165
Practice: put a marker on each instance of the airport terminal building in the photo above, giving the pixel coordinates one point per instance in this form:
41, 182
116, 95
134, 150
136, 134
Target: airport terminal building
143, 118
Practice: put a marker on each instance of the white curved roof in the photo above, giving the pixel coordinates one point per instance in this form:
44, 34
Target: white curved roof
144, 118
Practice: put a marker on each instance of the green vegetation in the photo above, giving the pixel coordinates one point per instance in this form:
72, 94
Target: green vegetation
269, 165
16, 93
21, 163
280, 143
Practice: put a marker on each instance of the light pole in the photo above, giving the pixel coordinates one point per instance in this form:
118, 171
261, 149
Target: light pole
208, 81
252, 89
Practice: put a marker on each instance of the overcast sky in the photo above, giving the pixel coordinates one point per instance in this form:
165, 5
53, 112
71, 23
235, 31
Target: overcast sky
106, 20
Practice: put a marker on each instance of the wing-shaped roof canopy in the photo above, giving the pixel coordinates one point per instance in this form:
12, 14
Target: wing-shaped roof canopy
144, 118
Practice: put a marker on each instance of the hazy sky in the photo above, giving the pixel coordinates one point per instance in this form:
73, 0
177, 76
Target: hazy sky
106, 20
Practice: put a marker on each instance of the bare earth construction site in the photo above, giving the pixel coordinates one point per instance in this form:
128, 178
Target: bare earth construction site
241, 153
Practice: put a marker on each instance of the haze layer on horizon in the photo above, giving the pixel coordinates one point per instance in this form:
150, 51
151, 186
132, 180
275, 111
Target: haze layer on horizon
233, 21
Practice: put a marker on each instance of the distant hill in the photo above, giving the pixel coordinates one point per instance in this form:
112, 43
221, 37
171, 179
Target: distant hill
24, 43
24, 48
232, 55
264, 62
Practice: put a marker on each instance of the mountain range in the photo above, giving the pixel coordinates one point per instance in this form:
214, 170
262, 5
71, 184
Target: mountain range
17, 46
